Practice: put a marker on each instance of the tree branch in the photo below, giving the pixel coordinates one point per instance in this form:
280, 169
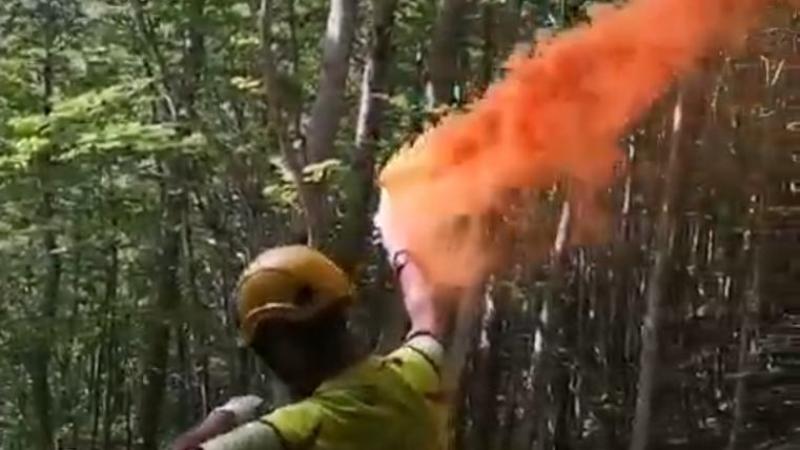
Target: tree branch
327, 111
359, 186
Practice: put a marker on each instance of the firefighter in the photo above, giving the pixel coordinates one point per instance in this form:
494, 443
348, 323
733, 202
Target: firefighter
290, 309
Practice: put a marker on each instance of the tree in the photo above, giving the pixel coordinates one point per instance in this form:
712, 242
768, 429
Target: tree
665, 248
326, 113
39, 359
444, 53
182, 95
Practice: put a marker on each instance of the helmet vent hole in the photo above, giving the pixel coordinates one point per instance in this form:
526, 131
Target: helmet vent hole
304, 296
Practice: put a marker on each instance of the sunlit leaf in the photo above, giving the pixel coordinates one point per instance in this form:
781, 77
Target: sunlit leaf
245, 83
314, 173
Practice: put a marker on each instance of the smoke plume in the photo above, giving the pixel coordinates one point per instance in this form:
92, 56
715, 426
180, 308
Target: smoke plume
556, 116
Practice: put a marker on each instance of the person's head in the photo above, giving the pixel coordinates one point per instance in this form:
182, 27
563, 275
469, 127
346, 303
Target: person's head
291, 309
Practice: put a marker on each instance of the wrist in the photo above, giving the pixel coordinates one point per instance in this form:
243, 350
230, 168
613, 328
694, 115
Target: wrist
223, 415
216, 423
242, 409
221, 421
418, 333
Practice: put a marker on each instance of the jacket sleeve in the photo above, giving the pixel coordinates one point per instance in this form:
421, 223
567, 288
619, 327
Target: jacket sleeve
297, 425
419, 362
250, 436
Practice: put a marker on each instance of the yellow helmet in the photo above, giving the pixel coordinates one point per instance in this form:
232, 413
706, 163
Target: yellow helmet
293, 283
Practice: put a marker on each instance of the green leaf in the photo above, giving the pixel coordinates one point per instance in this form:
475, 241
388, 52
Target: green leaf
283, 169
246, 83
244, 41
316, 172
240, 9
27, 126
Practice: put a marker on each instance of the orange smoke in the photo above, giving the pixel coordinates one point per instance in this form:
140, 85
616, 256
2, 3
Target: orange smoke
556, 116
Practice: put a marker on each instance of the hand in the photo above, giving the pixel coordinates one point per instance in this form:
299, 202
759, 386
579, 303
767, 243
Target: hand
218, 422
427, 305
244, 408
413, 283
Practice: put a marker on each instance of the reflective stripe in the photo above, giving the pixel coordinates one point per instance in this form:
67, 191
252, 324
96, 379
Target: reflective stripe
251, 436
429, 347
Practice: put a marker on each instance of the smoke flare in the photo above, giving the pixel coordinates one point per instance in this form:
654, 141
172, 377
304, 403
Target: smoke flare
556, 116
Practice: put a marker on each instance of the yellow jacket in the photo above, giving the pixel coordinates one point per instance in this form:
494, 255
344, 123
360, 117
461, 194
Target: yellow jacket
394, 402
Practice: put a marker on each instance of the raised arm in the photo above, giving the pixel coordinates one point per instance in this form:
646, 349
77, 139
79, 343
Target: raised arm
219, 422
428, 306
216, 423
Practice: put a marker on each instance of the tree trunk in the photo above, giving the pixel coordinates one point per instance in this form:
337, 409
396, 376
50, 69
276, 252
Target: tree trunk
443, 59
128, 408
356, 224
753, 251
187, 401
490, 44
548, 373
96, 387
327, 111
39, 357
509, 25
157, 336
111, 389
183, 418
749, 313
688, 103
173, 201
282, 109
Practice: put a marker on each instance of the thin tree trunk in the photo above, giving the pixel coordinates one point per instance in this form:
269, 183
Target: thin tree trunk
96, 387
754, 255
174, 198
548, 374
203, 384
39, 357
490, 45
356, 224
749, 314
187, 412
509, 25
157, 337
69, 386
183, 414
110, 394
128, 408
612, 319
109, 411
443, 59
295, 46
488, 368
660, 272
111, 285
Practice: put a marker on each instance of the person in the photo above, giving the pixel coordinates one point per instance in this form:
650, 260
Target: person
290, 309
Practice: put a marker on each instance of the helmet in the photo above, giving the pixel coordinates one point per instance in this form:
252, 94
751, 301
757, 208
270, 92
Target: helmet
292, 283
